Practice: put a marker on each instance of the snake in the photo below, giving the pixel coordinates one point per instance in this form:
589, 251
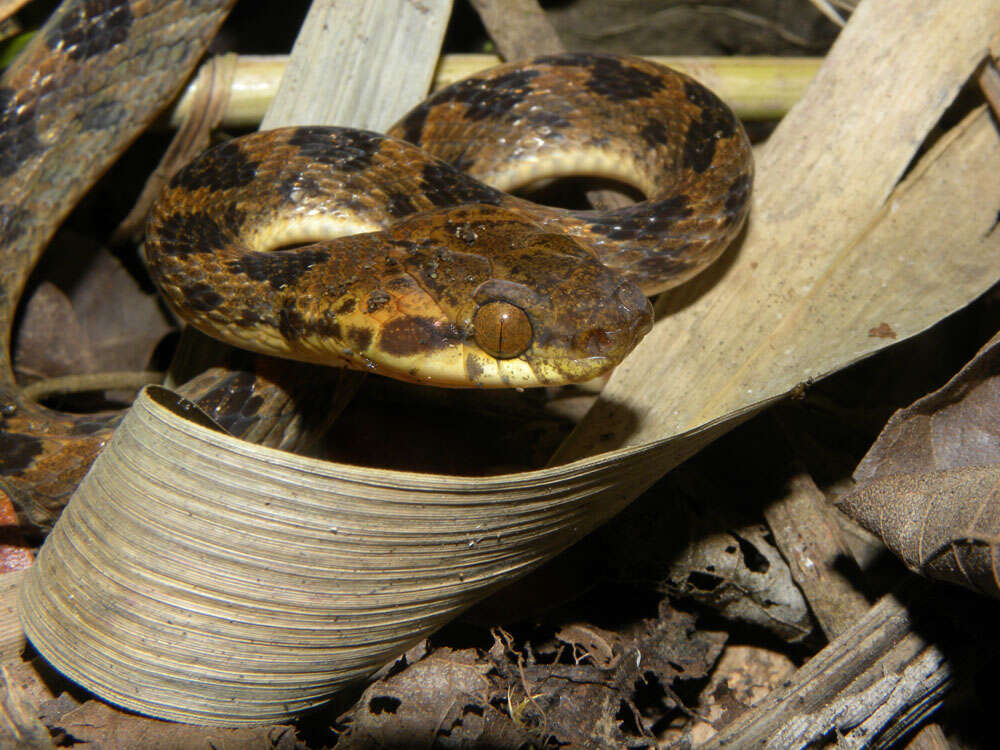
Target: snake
405, 254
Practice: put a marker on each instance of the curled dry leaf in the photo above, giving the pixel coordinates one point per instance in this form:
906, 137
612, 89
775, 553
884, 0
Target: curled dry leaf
954, 427
828, 254
943, 524
930, 485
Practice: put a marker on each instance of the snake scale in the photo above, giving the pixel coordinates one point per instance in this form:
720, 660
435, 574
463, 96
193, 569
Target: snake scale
350, 248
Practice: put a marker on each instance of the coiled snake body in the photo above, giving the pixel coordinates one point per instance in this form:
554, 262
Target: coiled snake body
443, 278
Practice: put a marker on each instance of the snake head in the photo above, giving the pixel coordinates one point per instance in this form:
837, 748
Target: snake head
521, 306
552, 313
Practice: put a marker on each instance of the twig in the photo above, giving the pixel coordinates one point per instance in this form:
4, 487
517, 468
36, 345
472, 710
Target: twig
757, 88
519, 28
878, 678
95, 381
808, 538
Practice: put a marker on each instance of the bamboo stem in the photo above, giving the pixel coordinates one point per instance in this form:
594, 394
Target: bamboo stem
757, 88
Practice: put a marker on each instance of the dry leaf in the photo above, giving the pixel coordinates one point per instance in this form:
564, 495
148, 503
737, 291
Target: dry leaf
742, 677
943, 524
586, 705
36, 701
601, 647
98, 726
50, 337
956, 426
742, 574
929, 484
444, 700
37, 689
89, 315
697, 534
830, 249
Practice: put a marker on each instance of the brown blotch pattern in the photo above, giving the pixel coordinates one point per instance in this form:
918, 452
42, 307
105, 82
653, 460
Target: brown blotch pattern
408, 336
90, 27
18, 136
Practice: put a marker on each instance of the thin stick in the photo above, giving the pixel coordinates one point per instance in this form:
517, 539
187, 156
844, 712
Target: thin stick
810, 540
519, 28
757, 88
95, 381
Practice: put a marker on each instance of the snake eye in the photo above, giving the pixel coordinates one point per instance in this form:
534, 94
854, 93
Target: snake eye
502, 330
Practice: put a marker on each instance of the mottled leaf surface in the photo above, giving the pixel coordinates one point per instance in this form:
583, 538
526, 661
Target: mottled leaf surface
930, 485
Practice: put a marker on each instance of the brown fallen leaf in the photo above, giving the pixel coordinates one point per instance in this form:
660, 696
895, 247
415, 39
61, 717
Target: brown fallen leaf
444, 700
35, 698
601, 646
942, 524
40, 709
743, 676
957, 425
50, 338
930, 485
742, 574
98, 726
87, 315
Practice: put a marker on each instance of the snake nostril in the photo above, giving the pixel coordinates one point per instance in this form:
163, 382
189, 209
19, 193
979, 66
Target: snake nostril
597, 342
636, 309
